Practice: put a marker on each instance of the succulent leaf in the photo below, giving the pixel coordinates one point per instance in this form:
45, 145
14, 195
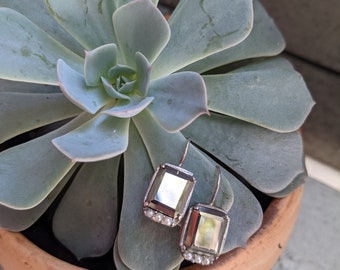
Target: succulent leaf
24, 87
113, 92
129, 108
143, 72
299, 180
157, 242
73, 85
179, 99
21, 112
140, 27
36, 11
201, 28
89, 22
19, 220
117, 259
264, 40
245, 215
86, 219
240, 93
123, 2
27, 46
40, 163
268, 160
98, 62
100, 138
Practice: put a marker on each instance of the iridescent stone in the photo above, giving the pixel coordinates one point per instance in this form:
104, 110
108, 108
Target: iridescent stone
169, 192
204, 232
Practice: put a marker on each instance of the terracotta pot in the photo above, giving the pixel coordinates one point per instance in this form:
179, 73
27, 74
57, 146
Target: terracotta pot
262, 251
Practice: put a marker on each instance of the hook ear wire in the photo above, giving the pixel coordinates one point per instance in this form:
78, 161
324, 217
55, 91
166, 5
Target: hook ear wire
184, 153
217, 186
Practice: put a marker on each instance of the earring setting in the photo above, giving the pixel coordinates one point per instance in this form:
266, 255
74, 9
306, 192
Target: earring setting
169, 193
204, 231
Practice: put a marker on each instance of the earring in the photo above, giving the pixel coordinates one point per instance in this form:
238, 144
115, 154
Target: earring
169, 193
205, 230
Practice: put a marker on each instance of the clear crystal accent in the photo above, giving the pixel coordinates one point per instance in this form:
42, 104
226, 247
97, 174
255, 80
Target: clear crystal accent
158, 217
167, 221
188, 256
149, 213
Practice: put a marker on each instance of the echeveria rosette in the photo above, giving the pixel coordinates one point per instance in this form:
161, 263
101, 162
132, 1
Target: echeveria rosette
136, 93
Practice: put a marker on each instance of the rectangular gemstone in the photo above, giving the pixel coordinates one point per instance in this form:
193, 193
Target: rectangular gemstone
205, 230
170, 190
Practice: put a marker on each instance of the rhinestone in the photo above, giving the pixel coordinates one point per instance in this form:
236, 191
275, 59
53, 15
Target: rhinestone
158, 217
167, 221
198, 258
149, 213
188, 256
206, 261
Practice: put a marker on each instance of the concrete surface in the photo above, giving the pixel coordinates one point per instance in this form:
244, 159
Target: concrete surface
314, 244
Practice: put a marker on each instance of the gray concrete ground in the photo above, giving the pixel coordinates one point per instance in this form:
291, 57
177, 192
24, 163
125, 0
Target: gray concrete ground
314, 244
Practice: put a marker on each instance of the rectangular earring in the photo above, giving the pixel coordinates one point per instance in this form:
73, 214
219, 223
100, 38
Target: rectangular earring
169, 193
204, 231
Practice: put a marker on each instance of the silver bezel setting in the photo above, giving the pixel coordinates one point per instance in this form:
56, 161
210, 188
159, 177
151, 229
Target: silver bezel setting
169, 194
200, 217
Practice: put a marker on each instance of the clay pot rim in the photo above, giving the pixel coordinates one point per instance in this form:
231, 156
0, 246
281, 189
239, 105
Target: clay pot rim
279, 218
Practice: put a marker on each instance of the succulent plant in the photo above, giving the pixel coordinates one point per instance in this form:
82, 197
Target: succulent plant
119, 90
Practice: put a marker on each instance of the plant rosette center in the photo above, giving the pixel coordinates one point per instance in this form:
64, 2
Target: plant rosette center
116, 85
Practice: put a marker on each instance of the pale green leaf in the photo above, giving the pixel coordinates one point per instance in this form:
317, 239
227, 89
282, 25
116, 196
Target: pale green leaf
23, 87
168, 147
143, 69
179, 99
98, 62
100, 138
123, 2
245, 215
268, 93
19, 220
140, 27
117, 259
268, 160
73, 85
86, 219
111, 91
21, 112
37, 12
89, 22
27, 53
201, 28
298, 181
129, 108
156, 241
264, 40
30, 171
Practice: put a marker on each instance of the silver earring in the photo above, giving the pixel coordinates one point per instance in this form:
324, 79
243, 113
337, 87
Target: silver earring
169, 193
204, 231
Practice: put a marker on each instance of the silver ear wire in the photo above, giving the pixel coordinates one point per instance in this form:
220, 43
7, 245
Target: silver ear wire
217, 186
169, 193
184, 153
205, 229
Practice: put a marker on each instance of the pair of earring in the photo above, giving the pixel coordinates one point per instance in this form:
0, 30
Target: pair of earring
205, 227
